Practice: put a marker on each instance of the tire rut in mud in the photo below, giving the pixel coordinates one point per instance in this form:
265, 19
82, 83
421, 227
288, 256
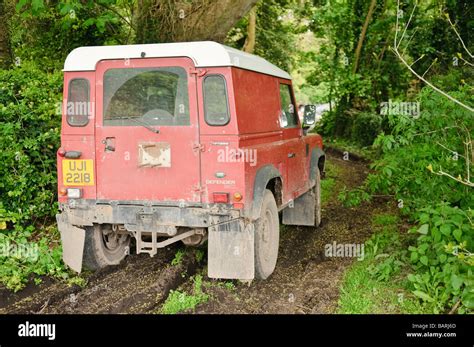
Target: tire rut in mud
138, 285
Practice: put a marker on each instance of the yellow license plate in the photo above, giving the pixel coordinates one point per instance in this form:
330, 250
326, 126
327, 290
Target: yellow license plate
78, 172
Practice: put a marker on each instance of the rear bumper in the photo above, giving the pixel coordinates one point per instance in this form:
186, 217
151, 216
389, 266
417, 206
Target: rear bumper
230, 242
145, 216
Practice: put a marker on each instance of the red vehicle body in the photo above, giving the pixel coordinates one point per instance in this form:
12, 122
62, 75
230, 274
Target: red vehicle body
181, 142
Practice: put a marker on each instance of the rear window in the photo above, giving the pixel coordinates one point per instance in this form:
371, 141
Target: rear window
78, 102
216, 105
288, 117
156, 96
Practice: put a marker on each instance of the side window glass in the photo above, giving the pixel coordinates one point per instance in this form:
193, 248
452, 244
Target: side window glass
216, 105
288, 116
78, 101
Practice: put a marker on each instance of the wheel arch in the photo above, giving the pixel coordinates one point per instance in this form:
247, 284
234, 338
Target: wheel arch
267, 177
318, 159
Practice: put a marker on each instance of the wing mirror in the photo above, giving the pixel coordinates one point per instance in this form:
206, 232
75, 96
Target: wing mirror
309, 118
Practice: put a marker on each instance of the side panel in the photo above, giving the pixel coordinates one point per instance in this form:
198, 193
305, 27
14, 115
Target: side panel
222, 171
257, 99
257, 102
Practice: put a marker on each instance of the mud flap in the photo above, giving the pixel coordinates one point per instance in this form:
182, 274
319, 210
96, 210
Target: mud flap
231, 250
301, 211
72, 239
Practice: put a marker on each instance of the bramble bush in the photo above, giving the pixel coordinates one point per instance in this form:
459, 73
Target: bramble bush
29, 138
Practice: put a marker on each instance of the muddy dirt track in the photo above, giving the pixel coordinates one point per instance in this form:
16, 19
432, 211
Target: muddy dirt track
305, 281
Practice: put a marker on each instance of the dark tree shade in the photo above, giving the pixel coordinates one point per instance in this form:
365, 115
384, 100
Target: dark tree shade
174, 21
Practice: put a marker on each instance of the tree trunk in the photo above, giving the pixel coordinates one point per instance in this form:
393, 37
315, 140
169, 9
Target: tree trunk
5, 52
249, 45
362, 35
184, 20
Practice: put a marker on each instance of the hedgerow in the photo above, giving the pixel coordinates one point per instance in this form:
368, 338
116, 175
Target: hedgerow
415, 158
29, 138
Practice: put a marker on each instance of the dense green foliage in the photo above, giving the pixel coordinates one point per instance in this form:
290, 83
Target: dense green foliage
443, 268
26, 252
275, 38
411, 157
29, 138
416, 143
46, 33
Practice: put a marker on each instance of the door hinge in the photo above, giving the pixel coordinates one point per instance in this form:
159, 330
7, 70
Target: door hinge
197, 72
199, 189
198, 147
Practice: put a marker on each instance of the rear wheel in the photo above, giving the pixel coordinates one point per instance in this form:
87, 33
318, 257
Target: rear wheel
104, 246
267, 237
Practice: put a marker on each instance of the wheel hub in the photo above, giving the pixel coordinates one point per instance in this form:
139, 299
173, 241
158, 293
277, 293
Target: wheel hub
113, 239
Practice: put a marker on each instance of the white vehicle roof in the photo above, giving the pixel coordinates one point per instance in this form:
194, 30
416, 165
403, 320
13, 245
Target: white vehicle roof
203, 53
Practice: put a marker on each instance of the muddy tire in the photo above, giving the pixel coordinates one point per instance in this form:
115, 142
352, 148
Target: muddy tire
104, 247
267, 237
317, 197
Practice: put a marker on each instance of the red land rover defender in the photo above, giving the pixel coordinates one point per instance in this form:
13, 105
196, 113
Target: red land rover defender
182, 142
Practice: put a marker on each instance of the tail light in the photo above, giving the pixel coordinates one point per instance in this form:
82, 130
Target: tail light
238, 205
221, 197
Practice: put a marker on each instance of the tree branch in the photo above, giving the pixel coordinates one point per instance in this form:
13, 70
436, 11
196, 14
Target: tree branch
396, 43
459, 36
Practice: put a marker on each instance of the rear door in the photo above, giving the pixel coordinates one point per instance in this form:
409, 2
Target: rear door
147, 131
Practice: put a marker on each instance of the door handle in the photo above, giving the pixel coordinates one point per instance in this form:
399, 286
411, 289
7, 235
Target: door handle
109, 143
291, 155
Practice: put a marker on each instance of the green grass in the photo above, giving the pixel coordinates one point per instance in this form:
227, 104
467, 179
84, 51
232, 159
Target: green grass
229, 285
179, 301
329, 182
378, 284
346, 145
178, 257
362, 294
199, 254
27, 253
385, 219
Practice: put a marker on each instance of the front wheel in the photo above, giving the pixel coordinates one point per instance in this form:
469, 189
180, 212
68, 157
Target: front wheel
104, 246
267, 237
